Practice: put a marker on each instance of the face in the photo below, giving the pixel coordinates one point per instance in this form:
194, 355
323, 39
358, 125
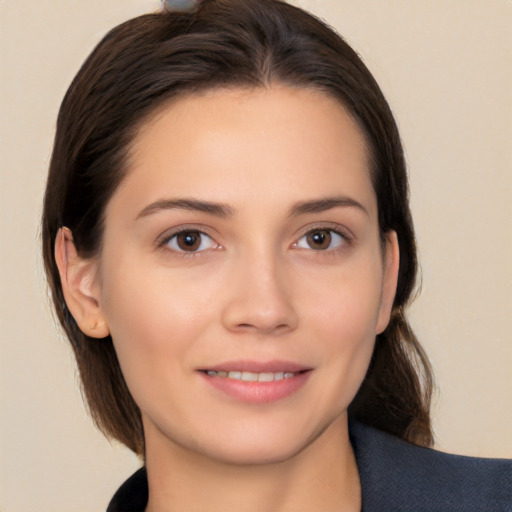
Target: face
242, 275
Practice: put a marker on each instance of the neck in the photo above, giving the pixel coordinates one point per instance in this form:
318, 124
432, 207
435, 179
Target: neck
322, 476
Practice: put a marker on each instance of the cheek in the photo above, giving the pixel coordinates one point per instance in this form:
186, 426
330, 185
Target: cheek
347, 327
155, 320
342, 318
346, 302
146, 302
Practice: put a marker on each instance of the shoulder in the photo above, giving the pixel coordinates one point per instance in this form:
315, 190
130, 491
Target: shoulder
396, 475
132, 496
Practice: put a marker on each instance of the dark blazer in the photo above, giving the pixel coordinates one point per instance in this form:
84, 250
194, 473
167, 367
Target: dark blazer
396, 477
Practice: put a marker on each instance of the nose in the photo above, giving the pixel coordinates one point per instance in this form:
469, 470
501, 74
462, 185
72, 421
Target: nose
260, 299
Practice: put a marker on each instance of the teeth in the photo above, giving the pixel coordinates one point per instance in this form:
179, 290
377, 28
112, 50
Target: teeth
252, 376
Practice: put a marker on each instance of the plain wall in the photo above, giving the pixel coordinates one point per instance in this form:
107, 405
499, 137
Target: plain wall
445, 67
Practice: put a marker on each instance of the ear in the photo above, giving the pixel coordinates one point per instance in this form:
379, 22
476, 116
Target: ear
389, 280
80, 286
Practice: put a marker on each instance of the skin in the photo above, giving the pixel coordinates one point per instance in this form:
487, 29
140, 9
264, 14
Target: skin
259, 287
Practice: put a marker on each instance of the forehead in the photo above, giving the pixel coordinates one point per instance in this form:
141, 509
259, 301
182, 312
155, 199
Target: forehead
227, 145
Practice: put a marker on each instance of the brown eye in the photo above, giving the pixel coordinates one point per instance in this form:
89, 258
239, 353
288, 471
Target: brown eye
190, 241
319, 240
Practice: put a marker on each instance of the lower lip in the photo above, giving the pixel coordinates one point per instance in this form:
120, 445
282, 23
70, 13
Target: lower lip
258, 392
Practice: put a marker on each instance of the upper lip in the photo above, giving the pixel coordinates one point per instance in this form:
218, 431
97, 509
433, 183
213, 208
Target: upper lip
258, 366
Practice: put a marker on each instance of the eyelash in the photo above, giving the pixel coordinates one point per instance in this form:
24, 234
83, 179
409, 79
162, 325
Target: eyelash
342, 237
164, 243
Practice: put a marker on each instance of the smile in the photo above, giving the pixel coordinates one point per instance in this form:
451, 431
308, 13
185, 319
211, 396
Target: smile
252, 376
256, 382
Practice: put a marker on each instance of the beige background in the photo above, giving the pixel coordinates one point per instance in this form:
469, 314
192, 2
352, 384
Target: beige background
445, 66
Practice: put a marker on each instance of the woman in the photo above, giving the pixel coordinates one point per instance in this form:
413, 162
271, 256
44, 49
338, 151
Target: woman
230, 250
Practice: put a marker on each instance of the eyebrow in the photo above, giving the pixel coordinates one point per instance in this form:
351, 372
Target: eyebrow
217, 209
324, 204
224, 210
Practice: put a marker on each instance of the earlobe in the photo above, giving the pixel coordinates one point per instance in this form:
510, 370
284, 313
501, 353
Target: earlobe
79, 281
389, 281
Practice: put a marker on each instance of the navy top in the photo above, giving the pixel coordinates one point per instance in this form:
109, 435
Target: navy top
396, 476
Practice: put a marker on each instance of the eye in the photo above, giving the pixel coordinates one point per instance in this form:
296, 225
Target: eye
190, 241
321, 240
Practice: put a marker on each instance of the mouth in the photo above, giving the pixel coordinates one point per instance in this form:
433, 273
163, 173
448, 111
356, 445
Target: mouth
256, 382
253, 376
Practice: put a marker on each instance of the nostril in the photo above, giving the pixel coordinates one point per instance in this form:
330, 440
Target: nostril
264, 330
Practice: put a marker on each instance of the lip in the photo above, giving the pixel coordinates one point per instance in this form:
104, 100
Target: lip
245, 365
257, 392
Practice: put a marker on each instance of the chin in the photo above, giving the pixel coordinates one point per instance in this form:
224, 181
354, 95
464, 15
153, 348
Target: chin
256, 453
262, 446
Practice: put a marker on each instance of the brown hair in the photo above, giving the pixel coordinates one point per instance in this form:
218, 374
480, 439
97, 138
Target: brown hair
146, 61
